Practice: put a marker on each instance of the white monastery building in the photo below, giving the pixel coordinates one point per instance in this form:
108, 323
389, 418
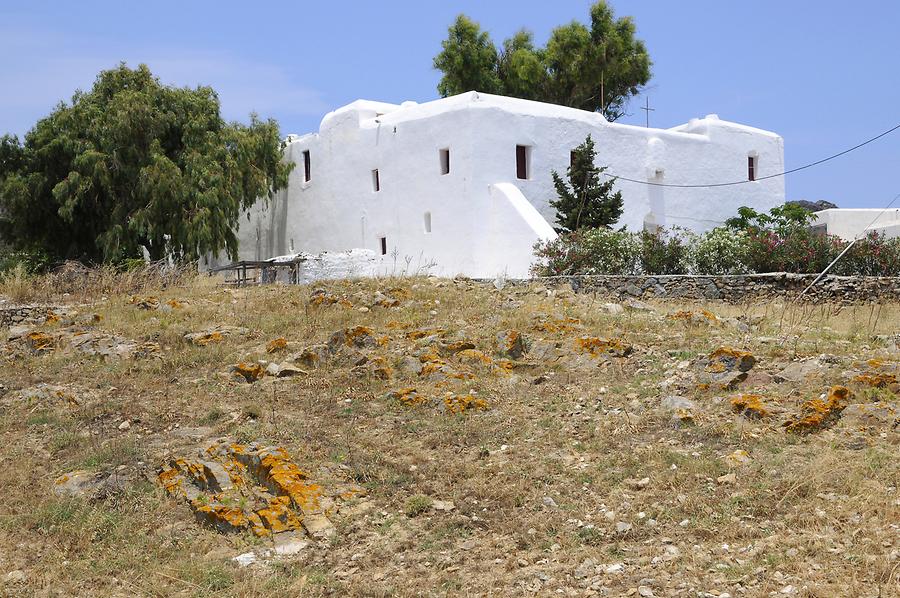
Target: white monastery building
463, 183
853, 223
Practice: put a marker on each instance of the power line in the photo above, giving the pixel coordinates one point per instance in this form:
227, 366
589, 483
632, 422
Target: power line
847, 248
762, 178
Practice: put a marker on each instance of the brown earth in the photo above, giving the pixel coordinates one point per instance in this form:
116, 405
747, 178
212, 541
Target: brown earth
441, 437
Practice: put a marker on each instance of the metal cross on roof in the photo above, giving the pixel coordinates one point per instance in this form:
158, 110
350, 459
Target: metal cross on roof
647, 109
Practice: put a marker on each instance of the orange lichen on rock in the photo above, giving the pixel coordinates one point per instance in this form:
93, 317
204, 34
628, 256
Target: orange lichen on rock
457, 346
749, 406
237, 487
876, 380
321, 297
39, 341
208, 337
380, 368
474, 356
595, 346
512, 344
250, 372
818, 413
276, 345
222, 517
399, 292
408, 397
144, 302
727, 359
277, 517
431, 355
554, 325
283, 477
460, 403
419, 333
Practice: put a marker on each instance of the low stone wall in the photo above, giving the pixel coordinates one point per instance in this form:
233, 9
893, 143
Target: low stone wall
16, 314
737, 288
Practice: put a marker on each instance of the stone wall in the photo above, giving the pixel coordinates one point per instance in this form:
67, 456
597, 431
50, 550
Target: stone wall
17, 314
737, 288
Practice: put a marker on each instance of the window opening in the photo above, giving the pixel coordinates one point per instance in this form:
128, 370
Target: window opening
522, 155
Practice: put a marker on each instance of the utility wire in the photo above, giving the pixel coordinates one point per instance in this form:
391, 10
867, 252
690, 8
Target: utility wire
762, 178
847, 248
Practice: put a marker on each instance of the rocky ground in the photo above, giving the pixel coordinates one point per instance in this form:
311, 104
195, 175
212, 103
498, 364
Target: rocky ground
442, 437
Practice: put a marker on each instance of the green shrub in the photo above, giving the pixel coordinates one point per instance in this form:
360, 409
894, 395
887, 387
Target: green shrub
665, 252
417, 504
721, 251
799, 251
874, 255
787, 246
588, 251
31, 262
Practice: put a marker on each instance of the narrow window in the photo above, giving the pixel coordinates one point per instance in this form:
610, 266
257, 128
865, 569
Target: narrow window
445, 161
306, 168
523, 153
427, 220
376, 182
571, 158
751, 168
383, 242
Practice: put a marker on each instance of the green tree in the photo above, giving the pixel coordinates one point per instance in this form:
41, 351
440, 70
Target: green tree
468, 60
596, 68
133, 163
783, 220
585, 201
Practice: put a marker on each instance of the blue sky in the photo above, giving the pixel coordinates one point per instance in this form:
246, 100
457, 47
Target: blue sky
821, 74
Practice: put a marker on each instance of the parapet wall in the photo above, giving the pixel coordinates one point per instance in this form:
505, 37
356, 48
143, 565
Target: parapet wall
18, 314
737, 288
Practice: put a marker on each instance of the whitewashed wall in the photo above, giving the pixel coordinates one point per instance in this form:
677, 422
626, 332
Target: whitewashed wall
480, 223
849, 223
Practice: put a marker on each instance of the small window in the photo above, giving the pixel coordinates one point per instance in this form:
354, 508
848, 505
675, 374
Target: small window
427, 222
445, 161
376, 182
751, 168
382, 241
572, 158
523, 156
306, 167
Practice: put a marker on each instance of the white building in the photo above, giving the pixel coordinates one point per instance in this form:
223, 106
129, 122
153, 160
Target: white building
464, 182
851, 223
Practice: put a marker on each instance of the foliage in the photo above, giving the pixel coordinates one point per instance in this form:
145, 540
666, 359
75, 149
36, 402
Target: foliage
799, 250
588, 251
664, 252
720, 251
417, 504
32, 262
585, 201
596, 68
133, 163
781, 241
468, 60
783, 220
873, 255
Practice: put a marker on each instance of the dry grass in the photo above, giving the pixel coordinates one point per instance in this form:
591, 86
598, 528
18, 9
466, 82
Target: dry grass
546, 478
